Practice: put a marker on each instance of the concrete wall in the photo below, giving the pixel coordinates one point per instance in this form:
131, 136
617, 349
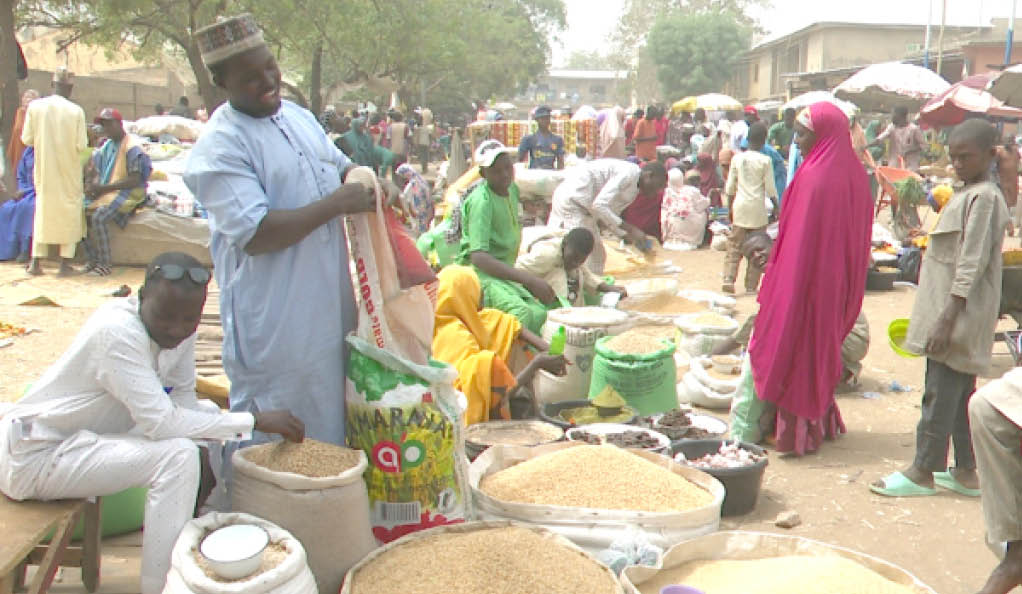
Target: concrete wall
133, 100
847, 47
816, 55
978, 57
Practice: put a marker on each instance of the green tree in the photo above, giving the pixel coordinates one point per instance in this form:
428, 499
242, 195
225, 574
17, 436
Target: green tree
477, 46
694, 53
152, 26
638, 18
590, 60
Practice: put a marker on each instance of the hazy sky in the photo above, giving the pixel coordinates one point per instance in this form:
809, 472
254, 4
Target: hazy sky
590, 21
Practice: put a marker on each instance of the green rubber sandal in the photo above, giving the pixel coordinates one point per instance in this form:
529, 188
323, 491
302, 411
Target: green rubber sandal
948, 481
897, 484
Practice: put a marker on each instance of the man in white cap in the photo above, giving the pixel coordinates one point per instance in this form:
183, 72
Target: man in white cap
271, 181
56, 128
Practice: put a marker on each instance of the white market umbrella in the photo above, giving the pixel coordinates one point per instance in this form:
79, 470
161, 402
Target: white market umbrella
1008, 86
881, 87
807, 99
708, 102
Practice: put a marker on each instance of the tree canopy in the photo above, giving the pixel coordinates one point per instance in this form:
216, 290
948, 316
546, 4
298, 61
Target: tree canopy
694, 53
479, 46
632, 40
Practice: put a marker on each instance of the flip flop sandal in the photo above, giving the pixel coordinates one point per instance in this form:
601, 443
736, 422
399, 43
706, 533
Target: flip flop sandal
949, 482
897, 484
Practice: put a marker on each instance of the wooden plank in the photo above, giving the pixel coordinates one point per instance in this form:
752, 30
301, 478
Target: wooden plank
51, 562
92, 545
72, 556
24, 524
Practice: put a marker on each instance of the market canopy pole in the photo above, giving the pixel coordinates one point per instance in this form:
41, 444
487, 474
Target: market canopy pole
1011, 34
926, 43
940, 39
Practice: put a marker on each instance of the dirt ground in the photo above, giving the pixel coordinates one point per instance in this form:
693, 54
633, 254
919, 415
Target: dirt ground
939, 539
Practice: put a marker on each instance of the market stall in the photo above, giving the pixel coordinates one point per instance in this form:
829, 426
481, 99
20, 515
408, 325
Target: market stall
576, 133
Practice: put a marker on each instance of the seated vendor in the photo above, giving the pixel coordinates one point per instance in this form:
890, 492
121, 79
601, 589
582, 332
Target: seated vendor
490, 236
478, 342
559, 259
119, 410
116, 189
756, 249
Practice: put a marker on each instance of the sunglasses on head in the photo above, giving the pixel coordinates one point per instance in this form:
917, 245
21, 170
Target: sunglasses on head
174, 272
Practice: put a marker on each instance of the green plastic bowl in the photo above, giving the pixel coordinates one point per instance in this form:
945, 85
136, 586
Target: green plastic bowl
896, 332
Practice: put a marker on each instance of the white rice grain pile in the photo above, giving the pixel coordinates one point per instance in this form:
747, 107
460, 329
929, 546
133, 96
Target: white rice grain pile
310, 458
641, 340
598, 477
777, 575
509, 560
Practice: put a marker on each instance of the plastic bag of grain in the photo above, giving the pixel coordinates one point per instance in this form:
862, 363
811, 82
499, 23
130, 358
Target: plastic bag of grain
284, 569
407, 418
691, 391
703, 332
537, 183
702, 368
313, 490
391, 315
639, 367
592, 528
480, 558
761, 562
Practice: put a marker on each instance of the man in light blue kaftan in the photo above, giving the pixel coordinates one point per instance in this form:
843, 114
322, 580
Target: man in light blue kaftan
285, 313
271, 182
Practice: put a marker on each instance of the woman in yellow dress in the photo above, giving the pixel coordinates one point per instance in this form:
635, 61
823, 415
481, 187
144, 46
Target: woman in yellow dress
478, 342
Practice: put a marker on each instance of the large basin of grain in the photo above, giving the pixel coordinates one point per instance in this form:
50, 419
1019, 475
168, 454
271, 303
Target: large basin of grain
595, 477
740, 562
480, 558
803, 574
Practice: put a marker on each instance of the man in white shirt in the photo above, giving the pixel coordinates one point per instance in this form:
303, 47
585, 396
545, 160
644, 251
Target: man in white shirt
740, 129
595, 193
749, 183
119, 410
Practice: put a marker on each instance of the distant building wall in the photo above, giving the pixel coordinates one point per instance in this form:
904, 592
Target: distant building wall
979, 58
133, 100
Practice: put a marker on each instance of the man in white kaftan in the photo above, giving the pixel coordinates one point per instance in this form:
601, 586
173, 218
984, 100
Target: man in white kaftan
119, 410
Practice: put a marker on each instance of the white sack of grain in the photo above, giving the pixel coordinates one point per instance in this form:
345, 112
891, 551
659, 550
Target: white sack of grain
703, 370
594, 529
691, 391
737, 545
291, 576
181, 128
714, 301
559, 566
329, 515
702, 332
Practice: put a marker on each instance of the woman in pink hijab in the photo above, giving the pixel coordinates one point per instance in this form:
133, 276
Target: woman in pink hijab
814, 284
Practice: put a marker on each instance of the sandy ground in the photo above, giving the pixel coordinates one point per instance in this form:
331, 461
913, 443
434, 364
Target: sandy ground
940, 538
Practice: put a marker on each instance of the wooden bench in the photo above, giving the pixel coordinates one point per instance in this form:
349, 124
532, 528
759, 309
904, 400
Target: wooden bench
25, 525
